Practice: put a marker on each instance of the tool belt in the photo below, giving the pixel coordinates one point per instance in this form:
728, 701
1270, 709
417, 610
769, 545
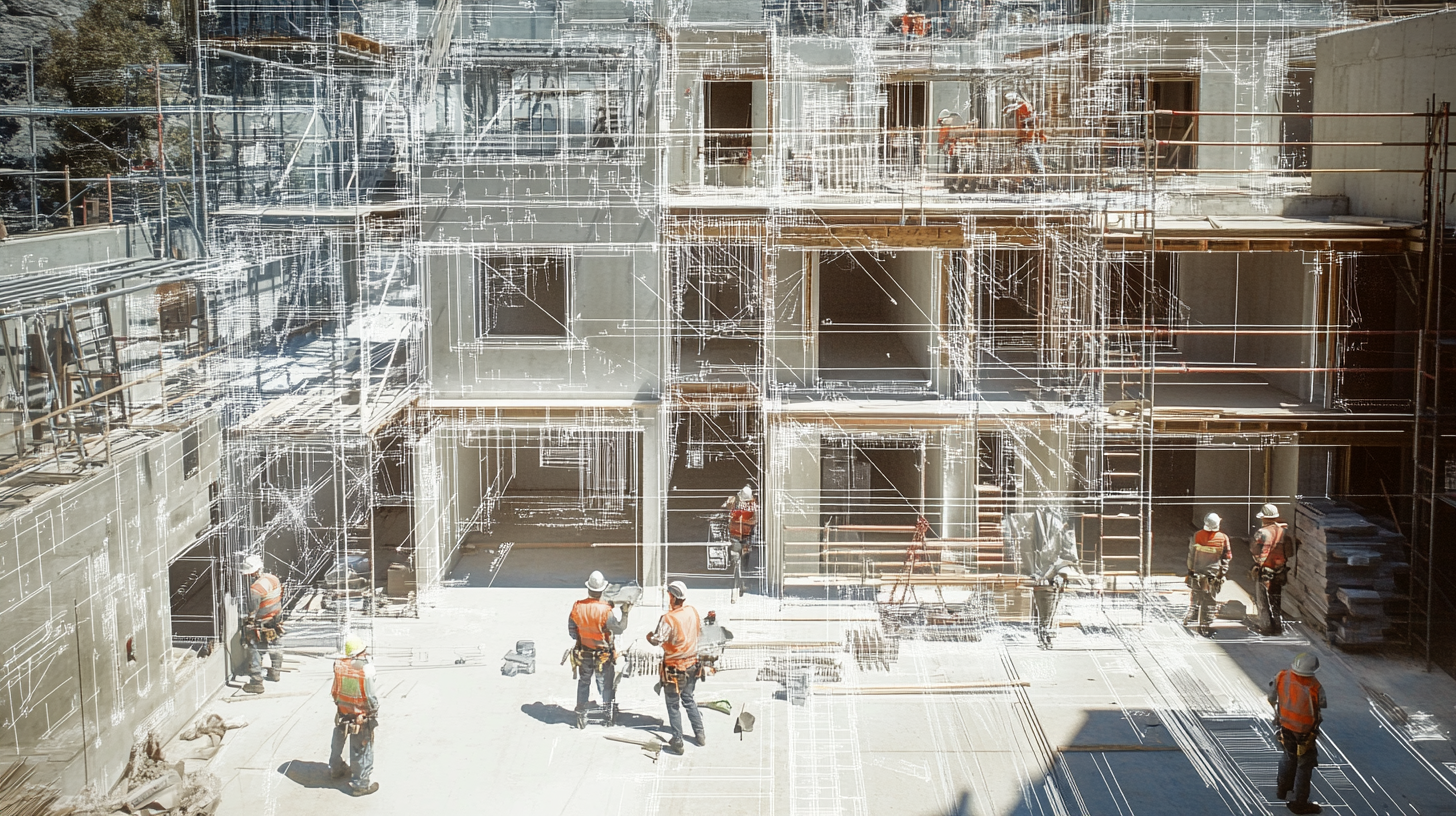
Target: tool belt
582, 656
1303, 743
675, 677
1266, 575
353, 723
265, 632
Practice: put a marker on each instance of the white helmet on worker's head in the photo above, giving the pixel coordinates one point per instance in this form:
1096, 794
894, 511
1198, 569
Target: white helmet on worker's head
354, 646
1305, 664
252, 565
678, 589
1211, 522
944, 114
746, 494
596, 582
1269, 511
1013, 96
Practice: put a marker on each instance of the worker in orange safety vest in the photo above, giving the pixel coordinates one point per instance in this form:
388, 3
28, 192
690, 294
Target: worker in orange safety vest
1209, 555
357, 716
1298, 700
594, 624
1270, 548
1028, 132
742, 522
677, 633
262, 624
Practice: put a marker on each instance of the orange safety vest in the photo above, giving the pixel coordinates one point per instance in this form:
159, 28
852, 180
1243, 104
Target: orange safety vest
1024, 116
681, 650
743, 519
1299, 699
269, 591
1211, 542
590, 616
349, 683
1272, 556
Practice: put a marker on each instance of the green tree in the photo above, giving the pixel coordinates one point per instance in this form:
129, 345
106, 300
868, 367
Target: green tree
102, 61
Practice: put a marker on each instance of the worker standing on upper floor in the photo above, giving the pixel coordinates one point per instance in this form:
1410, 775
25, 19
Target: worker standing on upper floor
677, 633
1270, 548
1298, 700
1029, 133
357, 716
1209, 555
742, 522
594, 624
262, 624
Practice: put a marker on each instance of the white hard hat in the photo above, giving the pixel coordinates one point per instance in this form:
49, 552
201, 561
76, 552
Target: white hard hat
353, 645
746, 493
1269, 511
944, 113
1210, 522
1012, 96
596, 582
678, 589
1305, 664
252, 564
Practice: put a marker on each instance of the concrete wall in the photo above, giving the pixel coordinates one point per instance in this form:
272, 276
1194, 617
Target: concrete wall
1395, 66
85, 567
1230, 480
35, 252
1252, 291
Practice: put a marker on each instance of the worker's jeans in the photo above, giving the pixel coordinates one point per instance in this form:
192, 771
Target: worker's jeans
584, 678
255, 656
685, 696
1270, 602
1294, 770
361, 754
738, 553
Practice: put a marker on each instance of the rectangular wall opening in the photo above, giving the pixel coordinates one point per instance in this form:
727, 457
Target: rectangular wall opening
905, 119
1175, 93
716, 308
524, 297
877, 320
727, 122
714, 455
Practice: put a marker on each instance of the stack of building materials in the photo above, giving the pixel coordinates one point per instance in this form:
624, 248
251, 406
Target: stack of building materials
1345, 572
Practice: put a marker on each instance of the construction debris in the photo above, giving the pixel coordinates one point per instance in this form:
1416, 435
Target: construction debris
870, 647
212, 726
18, 798
1347, 567
820, 669
520, 661
650, 747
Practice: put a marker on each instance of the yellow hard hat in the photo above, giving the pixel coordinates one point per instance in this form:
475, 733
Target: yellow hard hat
353, 645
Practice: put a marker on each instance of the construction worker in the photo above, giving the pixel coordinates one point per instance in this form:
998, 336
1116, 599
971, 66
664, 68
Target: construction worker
1028, 133
1208, 562
1271, 568
677, 633
262, 624
742, 521
357, 717
593, 624
1298, 700
957, 139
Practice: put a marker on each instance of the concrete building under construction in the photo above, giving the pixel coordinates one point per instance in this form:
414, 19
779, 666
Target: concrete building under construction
438, 307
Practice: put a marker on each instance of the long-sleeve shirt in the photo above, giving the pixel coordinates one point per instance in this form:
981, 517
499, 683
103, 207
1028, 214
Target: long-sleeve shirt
370, 688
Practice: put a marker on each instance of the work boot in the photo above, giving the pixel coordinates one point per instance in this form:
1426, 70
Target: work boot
373, 786
1281, 793
254, 686
1206, 631
581, 719
676, 746
274, 675
1303, 807
339, 772
611, 715
701, 739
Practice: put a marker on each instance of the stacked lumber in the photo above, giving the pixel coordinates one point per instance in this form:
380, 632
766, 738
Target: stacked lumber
1347, 567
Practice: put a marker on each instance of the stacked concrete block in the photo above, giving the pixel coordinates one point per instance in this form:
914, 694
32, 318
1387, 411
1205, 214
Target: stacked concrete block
1346, 569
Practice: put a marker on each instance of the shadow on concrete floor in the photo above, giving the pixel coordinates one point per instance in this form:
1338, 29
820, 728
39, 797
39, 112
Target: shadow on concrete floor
311, 774
559, 715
